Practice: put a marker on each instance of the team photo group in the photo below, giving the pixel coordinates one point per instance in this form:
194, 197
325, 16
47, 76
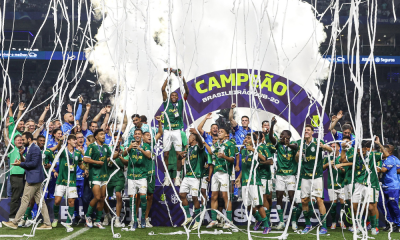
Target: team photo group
79, 162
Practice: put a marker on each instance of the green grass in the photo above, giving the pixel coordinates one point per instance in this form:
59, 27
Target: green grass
59, 233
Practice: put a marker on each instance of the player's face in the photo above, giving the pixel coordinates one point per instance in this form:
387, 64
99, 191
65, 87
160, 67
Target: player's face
72, 142
21, 126
247, 140
214, 140
347, 133
57, 124
221, 134
283, 137
101, 136
18, 142
137, 136
136, 121
174, 97
214, 129
334, 147
41, 141
147, 137
308, 132
192, 139
70, 118
119, 139
31, 126
265, 127
51, 126
245, 122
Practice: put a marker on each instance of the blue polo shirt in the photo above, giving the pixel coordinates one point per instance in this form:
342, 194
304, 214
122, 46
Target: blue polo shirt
208, 139
240, 134
79, 171
390, 179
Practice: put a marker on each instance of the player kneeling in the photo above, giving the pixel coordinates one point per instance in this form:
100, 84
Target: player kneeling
68, 163
194, 162
251, 181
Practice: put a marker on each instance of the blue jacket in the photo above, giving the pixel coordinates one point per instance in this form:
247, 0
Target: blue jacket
33, 165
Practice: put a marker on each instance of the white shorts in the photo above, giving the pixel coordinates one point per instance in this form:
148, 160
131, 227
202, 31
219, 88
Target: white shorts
204, 183
100, 183
61, 190
220, 182
267, 187
172, 137
252, 196
348, 189
190, 185
336, 194
135, 186
361, 192
317, 188
285, 183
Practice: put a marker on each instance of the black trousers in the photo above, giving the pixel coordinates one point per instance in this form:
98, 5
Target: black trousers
17, 188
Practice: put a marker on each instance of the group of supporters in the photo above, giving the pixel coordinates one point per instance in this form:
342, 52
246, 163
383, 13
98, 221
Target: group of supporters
88, 162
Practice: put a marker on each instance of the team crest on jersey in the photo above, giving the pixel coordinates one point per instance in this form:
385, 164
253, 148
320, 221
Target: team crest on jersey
76, 158
312, 149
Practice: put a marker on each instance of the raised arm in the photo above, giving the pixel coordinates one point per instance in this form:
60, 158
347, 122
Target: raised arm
46, 109
201, 125
186, 94
79, 110
105, 122
385, 153
85, 117
125, 122
335, 120
164, 93
9, 105
231, 119
39, 130
343, 158
98, 116
21, 108
160, 130
271, 131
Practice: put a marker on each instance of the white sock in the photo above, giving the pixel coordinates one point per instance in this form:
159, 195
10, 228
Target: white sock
178, 174
278, 207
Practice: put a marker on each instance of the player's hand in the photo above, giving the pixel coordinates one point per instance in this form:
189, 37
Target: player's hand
340, 114
322, 146
21, 151
377, 141
250, 147
88, 105
108, 109
287, 141
206, 166
16, 163
221, 155
158, 118
233, 105
86, 173
208, 179
344, 145
80, 99
55, 174
273, 121
21, 106
47, 108
9, 104
209, 115
237, 182
103, 111
100, 163
334, 118
237, 169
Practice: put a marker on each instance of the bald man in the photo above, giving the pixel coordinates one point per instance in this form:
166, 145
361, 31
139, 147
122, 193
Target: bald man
69, 119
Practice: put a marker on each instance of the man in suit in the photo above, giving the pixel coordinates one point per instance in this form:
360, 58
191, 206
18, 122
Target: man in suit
33, 186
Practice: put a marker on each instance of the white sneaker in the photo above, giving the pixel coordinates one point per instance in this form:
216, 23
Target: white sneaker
98, 224
294, 226
118, 223
227, 225
131, 224
195, 225
139, 223
107, 219
67, 226
280, 226
333, 226
89, 222
212, 224
373, 231
166, 181
177, 181
21, 223
54, 223
148, 224
188, 220
29, 223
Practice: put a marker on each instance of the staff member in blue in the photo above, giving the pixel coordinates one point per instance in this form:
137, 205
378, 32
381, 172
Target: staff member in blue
390, 187
346, 129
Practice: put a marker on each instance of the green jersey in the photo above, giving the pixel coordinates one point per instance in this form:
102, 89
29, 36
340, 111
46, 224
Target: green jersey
347, 175
96, 152
337, 178
195, 164
247, 162
264, 170
138, 166
119, 175
175, 115
68, 159
286, 162
11, 128
269, 144
309, 157
14, 155
361, 172
48, 158
221, 165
